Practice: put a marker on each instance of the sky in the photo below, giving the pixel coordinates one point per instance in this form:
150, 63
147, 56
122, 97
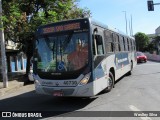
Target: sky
110, 12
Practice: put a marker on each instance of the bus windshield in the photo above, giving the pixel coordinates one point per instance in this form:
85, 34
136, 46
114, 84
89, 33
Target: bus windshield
62, 53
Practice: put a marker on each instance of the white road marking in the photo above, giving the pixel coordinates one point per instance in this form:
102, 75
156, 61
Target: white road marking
133, 108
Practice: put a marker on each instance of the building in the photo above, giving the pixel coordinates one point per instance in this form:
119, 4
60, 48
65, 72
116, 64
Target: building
155, 42
16, 60
157, 31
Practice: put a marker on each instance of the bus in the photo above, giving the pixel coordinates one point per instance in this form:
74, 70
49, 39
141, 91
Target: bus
80, 58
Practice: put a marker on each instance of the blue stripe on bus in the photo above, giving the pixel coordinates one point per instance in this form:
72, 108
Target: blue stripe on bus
99, 72
121, 60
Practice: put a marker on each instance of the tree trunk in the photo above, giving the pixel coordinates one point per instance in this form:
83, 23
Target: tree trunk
29, 54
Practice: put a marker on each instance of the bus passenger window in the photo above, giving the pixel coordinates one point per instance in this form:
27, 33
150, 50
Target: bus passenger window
99, 42
131, 45
121, 43
109, 44
117, 43
100, 50
97, 45
126, 44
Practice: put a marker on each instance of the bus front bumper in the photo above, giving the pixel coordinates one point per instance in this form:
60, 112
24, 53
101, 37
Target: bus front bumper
78, 91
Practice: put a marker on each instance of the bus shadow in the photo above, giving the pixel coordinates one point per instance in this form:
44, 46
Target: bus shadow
51, 106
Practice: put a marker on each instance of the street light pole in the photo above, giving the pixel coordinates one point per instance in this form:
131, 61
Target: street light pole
3, 64
126, 21
131, 26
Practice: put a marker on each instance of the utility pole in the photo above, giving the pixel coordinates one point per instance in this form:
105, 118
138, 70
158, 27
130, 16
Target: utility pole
3, 64
131, 26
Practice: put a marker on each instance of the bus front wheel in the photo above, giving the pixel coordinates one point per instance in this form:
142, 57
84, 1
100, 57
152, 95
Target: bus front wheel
110, 82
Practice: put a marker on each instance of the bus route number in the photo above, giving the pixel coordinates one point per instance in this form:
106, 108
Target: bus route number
70, 83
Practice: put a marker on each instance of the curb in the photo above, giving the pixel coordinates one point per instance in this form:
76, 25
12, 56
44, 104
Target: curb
12, 86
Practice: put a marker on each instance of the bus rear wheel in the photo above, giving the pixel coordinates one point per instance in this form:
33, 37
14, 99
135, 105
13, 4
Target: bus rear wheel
110, 82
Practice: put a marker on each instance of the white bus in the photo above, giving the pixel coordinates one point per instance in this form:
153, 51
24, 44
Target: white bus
80, 58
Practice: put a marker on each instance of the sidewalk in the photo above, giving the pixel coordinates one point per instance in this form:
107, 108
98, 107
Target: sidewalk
15, 81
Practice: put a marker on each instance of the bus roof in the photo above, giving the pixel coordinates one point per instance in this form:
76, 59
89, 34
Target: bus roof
97, 23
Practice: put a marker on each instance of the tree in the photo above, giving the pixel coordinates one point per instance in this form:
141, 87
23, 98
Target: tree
151, 47
22, 17
142, 41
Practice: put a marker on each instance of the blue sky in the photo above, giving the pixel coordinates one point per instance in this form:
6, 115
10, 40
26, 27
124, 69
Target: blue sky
110, 13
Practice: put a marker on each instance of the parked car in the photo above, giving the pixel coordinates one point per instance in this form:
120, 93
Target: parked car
141, 57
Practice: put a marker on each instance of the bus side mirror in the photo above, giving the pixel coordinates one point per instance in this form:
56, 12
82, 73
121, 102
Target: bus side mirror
99, 39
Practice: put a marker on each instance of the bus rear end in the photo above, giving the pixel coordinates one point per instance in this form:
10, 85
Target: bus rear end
62, 63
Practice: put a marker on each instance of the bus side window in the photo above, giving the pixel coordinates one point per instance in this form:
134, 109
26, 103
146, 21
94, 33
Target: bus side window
121, 43
117, 43
97, 45
131, 44
99, 42
109, 42
128, 42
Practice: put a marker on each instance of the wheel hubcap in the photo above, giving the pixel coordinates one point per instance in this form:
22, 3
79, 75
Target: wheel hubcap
110, 82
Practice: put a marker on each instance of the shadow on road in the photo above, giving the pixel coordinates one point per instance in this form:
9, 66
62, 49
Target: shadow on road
147, 74
31, 102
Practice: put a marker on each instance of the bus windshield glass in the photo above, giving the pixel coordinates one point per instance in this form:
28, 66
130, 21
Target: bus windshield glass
62, 53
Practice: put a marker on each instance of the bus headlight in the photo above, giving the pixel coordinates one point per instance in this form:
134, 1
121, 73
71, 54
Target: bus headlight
85, 79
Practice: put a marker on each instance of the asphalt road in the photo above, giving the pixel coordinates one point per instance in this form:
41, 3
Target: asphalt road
138, 92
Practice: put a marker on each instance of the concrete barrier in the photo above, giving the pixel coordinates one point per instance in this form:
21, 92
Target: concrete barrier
153, 57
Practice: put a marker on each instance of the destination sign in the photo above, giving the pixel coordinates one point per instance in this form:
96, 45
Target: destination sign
60, 28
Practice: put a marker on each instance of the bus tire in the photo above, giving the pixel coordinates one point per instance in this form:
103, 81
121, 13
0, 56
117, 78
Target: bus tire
110, 82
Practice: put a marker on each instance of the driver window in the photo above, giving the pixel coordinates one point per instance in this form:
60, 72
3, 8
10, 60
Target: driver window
99, 45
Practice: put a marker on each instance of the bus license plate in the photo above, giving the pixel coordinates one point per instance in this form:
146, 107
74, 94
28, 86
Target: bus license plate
58, 93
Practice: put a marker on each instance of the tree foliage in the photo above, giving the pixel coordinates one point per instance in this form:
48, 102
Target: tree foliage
22, 17
142, 41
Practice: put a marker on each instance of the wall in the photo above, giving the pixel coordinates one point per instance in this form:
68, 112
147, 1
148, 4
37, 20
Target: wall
153, 57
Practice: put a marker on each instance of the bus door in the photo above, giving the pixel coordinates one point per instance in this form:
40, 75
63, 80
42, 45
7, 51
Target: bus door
99, 69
